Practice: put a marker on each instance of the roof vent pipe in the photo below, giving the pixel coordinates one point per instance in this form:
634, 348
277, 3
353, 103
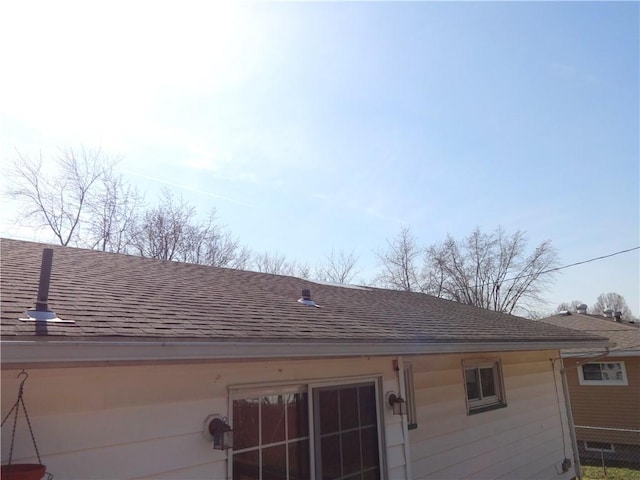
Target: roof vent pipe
42, 312
306, 299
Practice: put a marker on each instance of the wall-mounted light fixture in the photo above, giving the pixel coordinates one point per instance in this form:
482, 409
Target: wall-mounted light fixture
217, 429
397, 403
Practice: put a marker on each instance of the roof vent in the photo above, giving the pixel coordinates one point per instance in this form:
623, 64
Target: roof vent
564, 312
306, 299
608, 313
42, 313
582, 308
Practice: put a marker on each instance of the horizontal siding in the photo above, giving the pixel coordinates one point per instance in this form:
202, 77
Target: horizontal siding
614, 406
523, 439
145, 422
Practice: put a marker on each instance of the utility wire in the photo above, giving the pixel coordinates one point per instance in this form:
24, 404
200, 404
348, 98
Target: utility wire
564, 266
587, 261
555, 269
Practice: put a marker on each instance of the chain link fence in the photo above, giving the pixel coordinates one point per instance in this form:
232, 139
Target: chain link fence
609, 447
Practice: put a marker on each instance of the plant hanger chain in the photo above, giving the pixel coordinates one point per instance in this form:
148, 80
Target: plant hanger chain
15, 407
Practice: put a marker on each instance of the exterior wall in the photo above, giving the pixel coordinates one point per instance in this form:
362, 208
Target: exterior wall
614, 409
145, 422
529, 438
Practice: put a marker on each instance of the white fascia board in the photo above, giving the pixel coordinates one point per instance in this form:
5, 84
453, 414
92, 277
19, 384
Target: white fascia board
18, 353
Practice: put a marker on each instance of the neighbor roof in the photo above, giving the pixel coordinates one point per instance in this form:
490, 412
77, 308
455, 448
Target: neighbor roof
120, 298
625, 337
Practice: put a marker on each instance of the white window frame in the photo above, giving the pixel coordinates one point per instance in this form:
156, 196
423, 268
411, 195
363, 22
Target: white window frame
593, 449
603, 382
238, 392
490, 402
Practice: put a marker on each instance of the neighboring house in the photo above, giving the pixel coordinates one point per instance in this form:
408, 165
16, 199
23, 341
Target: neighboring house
156, 347
604, 386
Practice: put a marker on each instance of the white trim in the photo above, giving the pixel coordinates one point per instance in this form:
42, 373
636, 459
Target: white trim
311, 388
591, 449
622, 382
495, 364
45, 352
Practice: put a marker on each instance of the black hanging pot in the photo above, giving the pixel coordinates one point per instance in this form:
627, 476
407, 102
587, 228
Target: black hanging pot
22, 471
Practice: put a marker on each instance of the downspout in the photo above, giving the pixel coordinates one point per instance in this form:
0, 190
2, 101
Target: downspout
572, 429
399, 367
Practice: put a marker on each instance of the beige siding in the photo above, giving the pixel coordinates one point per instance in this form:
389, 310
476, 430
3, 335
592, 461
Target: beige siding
146, 421
522, 440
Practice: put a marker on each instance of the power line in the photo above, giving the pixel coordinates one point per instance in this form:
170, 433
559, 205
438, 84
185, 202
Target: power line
590, 260
555, 269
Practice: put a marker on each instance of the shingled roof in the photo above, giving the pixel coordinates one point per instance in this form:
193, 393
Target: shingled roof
115, 298
625, 337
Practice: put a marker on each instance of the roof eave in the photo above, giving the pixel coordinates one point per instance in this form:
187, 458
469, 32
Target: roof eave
35, 353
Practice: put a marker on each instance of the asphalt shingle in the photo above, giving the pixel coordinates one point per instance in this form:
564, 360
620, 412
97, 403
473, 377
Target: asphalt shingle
114, 296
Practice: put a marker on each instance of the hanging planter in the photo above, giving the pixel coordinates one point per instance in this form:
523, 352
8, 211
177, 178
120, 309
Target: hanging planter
22, 471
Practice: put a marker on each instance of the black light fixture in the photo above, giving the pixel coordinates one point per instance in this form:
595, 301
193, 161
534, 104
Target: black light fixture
397, 403
220, 431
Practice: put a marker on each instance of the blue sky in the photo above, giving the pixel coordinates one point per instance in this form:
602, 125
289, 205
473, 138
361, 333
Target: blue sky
319, 126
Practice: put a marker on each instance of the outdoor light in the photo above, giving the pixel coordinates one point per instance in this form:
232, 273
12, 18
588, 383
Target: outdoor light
220, 431
397, 403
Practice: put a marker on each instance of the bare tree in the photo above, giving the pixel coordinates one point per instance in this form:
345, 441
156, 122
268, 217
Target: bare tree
491, 271
339, 268
113, 212
210, 244
163, 231
613, 301
278, 264
62, 200
399, 263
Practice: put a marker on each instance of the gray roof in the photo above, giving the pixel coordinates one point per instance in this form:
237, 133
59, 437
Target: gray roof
626, 337
115, 297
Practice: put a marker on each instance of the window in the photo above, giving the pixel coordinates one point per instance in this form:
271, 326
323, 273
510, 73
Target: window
602, 373
273, 433
271, 437
483, 384
412, 419
346, 432
599, 447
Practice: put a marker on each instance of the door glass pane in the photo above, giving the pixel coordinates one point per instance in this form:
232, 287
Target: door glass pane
299, 464
297, 416
348, 408
367, 397
274, 463
245, 423
273, 421
330, 455
370, 455
488, 382
246, 466
373, 474
351, 452
329, 412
